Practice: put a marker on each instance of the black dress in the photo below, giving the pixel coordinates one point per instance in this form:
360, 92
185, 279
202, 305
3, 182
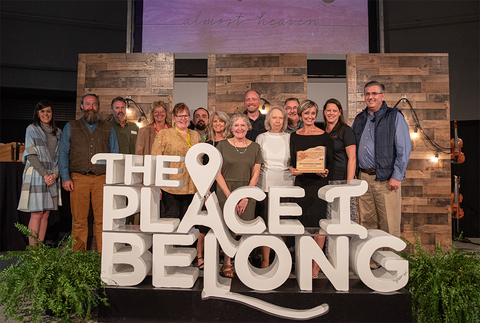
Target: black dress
313, 208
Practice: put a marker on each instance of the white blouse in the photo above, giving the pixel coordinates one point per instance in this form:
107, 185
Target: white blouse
276, 160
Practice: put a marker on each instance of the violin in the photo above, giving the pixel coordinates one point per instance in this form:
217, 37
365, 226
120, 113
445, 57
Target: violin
457, 198
456, 144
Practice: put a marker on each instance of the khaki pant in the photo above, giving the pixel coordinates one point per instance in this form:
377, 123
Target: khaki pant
379, 207
86, 188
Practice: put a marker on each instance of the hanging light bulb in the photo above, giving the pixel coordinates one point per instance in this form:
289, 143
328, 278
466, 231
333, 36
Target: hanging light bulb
414, 135
435, 158
139, 122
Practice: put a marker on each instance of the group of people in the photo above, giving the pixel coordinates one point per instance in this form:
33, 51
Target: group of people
257, 150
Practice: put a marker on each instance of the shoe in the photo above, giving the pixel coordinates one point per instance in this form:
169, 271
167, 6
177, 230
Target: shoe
227, 271
202, 265
314, 276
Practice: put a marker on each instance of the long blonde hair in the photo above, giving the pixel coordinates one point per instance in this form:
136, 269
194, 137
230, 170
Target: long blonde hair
168, 116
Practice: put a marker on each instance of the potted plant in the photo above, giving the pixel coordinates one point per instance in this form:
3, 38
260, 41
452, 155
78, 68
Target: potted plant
445, 286
57, 279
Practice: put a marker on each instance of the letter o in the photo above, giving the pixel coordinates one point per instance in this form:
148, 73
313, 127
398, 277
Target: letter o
263, 278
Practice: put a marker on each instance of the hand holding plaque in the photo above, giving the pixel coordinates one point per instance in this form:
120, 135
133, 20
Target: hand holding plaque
311, 160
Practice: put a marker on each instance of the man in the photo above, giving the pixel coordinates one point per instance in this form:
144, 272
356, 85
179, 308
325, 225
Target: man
126, 131
201, 120
81, 140
294, 122
383, 151
252, 103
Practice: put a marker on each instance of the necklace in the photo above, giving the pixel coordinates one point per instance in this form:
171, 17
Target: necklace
240, 152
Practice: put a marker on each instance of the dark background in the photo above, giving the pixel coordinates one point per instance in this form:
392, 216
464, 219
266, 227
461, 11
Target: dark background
41, 40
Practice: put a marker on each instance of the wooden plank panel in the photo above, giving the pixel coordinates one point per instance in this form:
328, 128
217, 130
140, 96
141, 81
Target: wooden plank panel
251, 71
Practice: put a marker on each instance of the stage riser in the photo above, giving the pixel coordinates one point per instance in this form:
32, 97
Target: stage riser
144, 303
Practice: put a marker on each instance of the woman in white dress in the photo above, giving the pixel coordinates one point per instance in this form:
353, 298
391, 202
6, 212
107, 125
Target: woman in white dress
274, 171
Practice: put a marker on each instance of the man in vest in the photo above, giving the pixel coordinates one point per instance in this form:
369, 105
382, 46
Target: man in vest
294, 122
257, 120
383, 150
126, 131
81, 140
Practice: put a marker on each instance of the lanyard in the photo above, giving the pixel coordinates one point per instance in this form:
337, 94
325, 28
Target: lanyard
187, 141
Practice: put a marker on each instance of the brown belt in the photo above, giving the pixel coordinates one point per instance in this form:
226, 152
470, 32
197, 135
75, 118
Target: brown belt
369, 171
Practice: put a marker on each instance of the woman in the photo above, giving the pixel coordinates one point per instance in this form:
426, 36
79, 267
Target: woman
309, 136
41, 185
344, 149
146, 136
177, 141
275, 145
217, 131
242, 159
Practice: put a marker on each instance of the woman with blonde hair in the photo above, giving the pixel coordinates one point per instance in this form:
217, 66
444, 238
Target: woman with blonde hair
161, 119
310, 136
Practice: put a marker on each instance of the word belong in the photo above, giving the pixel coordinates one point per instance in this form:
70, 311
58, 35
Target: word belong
126, 259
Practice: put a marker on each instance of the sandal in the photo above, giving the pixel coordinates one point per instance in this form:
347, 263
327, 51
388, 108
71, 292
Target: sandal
227, 271
202, 265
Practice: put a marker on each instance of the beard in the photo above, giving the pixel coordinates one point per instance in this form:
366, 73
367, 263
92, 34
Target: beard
91, 116
200, 125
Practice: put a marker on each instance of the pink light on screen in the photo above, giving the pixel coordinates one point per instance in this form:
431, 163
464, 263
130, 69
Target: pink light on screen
252, 26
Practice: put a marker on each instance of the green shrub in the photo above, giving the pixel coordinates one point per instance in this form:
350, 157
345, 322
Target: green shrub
59, 279
445, 286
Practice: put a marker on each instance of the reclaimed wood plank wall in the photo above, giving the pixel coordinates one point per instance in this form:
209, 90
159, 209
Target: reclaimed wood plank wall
146, 77
424, 80
275, 77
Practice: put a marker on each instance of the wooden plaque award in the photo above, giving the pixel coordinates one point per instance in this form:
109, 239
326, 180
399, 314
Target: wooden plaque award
311, 160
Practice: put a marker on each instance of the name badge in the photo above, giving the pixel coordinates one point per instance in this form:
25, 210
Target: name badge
133, 132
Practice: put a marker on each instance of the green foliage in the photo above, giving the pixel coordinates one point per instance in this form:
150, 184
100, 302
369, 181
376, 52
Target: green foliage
59, 279
445, 286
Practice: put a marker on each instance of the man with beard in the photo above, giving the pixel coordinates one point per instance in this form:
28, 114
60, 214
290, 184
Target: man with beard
294, 122
201, 120
126, 131
81, 140
257, 120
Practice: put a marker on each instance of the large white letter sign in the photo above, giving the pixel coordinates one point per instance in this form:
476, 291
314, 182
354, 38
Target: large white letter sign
212, 218
150, 220
263, 278
170, 264
115, 166
203, 175
340, 222
115, 208
276, 209
306, 250
125, 265
138, 168
233, 221
394, 272
163, 171
219, 287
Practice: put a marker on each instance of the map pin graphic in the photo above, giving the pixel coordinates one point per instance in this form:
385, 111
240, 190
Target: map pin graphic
203, 176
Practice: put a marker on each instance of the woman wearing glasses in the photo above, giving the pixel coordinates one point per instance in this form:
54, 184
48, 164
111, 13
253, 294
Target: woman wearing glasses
177, 141
161, 120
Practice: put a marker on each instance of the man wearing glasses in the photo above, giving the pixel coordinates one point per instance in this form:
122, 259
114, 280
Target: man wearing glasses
294, 122
383, 150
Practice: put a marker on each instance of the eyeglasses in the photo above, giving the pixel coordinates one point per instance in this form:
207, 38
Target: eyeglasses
159, 112
185, 116
291, 108
372, 94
